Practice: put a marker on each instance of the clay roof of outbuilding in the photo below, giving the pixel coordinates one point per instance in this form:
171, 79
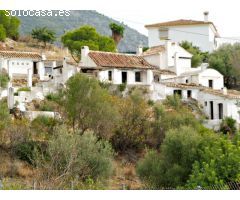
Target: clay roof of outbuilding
154, 50
119, 60
20, 54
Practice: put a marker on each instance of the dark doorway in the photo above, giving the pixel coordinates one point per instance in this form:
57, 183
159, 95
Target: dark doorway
210, 83
220, 110
124, 77
35, 69
189, 94
178, 92
211, 110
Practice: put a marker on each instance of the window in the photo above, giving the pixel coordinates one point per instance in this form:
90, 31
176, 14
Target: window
178, 92
12, 63
110, 75
210, 83
137, 76
205, 103
163, 34
156, 78
186, 80
17, 63
22, 63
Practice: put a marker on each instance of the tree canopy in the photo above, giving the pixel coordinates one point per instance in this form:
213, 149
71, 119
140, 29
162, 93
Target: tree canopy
89, 106
118, 29
117, 32
43, 34
189, 158
86, 36
198, 56
226, 60
9, 26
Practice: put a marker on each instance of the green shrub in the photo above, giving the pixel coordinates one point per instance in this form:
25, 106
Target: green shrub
2, 33
24, 89
122, 87
46, 106
28, 150
172, 167
44, 125
150, 102
173, 101
4, 115
84, 156
4, 79
56, 97
228, 126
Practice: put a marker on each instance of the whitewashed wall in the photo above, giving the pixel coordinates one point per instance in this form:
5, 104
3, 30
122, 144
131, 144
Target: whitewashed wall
117, 76
230, 109
19, 66
211, 74
200, 35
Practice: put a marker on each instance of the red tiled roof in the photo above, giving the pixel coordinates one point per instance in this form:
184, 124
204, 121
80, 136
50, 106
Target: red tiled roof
231, 94
164, 72
179, 22
19, 54
106, 59
154, 50
182, 85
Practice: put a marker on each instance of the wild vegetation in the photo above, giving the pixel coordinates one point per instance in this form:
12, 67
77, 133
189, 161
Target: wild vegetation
101, 131
9, 26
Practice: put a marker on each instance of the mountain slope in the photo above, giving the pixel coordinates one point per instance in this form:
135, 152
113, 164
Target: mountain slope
131, 39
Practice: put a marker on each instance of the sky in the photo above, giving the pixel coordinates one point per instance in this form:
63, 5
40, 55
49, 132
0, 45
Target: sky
224, 14
136, 13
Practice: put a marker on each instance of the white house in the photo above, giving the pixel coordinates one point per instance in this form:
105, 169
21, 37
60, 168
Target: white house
201, 33
64, 70
117, 68
21, 64
169, 56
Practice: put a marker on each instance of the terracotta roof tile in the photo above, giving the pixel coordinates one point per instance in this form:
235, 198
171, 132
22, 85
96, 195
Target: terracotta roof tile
106, 59
182, 85
19, 54
231, 94
164, 72
154, 50
179, 22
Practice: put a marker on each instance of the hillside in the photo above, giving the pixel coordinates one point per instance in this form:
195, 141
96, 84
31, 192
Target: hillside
82, 17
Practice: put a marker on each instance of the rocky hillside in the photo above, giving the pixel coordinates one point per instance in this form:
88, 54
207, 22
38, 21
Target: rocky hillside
82, 17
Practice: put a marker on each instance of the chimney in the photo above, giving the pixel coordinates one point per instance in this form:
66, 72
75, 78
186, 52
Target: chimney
224, 91
204, 66
43, 56
84, 53
206, 13
139, 50
65, 59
